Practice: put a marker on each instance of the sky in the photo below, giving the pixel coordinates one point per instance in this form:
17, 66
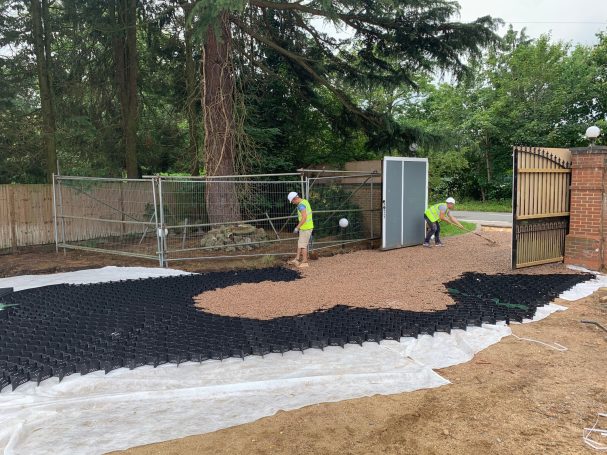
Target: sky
566, 20
576, 21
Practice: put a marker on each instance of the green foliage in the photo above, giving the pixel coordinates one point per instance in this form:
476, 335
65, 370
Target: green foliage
207, 13
338, 201
336, 81
447, 173
522, 92
309, 97
497, 205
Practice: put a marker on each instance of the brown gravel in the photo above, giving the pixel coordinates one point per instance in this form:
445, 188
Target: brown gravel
409, 278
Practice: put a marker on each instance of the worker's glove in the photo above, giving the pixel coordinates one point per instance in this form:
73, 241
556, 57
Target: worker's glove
296, 231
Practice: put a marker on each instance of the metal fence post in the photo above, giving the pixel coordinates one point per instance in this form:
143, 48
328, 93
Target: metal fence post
62, 215
55, 216
372, 214
162, 231
158, 241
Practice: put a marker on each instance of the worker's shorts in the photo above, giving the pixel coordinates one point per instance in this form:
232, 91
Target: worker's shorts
304, 238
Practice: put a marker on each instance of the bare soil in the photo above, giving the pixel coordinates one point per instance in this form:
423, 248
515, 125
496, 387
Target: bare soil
36, 260
43, 259
516, 397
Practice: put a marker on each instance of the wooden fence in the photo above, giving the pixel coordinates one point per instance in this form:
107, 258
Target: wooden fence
26, 215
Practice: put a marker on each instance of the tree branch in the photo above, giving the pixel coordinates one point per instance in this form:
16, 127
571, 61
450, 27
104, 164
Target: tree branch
302, 63
317, 12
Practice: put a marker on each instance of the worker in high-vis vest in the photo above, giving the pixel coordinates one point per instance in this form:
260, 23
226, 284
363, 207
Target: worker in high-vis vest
434, 215
304, 228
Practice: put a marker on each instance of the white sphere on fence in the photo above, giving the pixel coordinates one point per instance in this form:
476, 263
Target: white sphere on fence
593, 132
343, 223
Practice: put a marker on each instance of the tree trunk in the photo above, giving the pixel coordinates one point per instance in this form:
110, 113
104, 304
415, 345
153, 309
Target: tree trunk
488, 160
193, 94
218, 108
42, 45
125, 60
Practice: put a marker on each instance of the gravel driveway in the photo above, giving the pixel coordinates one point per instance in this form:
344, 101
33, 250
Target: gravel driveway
409, 278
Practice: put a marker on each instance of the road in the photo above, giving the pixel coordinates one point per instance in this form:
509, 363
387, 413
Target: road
485, 218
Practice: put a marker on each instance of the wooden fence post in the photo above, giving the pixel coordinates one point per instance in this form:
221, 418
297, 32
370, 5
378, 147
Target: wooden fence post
12, 220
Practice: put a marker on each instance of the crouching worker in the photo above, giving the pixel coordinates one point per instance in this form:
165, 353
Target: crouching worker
434, 215
304, 228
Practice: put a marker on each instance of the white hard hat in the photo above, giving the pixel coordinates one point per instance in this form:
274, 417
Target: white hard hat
450, 200
292, 195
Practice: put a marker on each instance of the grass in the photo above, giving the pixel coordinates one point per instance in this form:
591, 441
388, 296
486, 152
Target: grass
447, 230
487, 206
502, 205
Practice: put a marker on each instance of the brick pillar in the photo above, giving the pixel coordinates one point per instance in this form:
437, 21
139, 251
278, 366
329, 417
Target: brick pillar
585, 244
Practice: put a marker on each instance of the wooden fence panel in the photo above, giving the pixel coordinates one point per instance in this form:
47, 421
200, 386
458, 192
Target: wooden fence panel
26, 215
6, 238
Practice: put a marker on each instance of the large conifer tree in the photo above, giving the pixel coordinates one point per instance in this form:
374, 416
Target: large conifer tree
388, 43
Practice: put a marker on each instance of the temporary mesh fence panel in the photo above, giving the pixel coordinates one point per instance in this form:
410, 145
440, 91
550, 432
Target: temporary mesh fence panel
108, 215
356, 198
214, 218
180, 219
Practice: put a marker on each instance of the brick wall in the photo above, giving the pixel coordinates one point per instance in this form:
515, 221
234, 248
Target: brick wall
585, 244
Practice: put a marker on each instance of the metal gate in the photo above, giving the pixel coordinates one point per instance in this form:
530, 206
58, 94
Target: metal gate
404, 200
540, 205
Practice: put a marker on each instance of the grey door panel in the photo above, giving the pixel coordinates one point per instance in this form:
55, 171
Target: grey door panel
393, 205
414, 202
405, 189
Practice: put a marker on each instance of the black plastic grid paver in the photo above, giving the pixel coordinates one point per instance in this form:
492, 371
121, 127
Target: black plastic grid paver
66, 329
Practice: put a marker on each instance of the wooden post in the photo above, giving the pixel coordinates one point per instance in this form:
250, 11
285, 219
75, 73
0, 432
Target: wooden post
515, 206
12, 220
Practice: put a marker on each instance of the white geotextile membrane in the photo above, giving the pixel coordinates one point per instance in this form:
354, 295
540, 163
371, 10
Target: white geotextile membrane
98, 413
105, 274
584, 289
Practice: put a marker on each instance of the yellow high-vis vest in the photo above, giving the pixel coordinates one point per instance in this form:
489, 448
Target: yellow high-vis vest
433, 212
309, 224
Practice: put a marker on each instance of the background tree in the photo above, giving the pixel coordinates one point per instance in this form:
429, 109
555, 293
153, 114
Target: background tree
22, 156
42, 40
298, 96
123, 20
598, 61
391, 42
522, 92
